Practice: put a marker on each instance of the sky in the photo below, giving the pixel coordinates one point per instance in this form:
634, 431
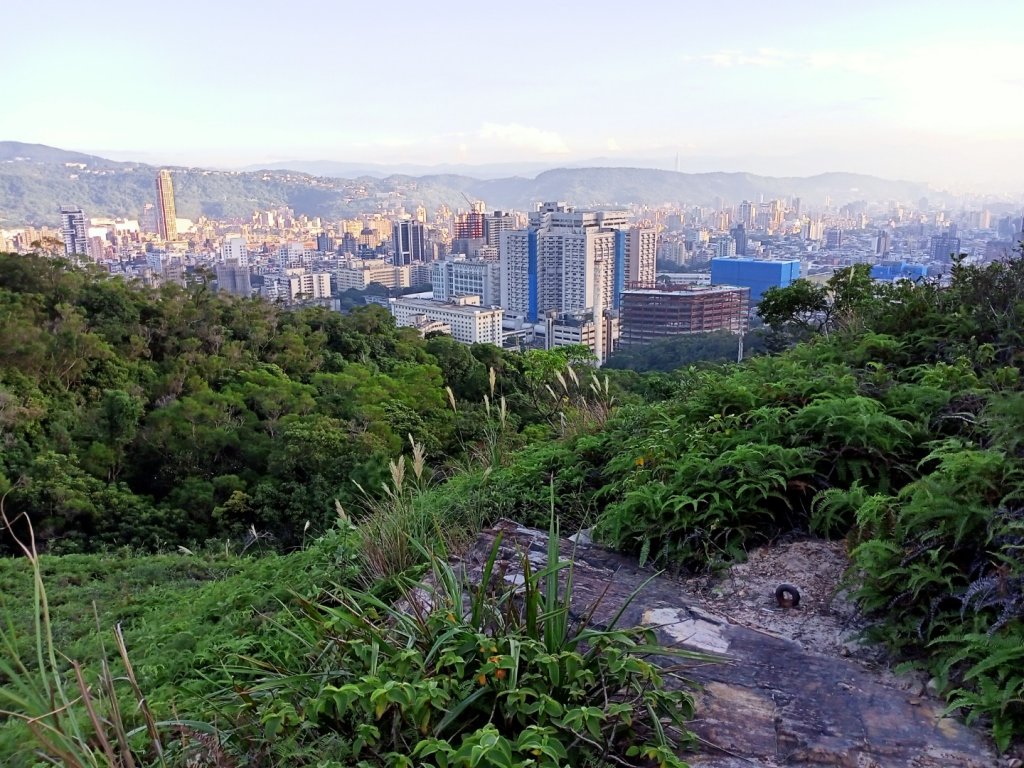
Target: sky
929, 91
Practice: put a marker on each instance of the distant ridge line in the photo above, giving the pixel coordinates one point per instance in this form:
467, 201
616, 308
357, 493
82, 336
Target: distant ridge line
32, 190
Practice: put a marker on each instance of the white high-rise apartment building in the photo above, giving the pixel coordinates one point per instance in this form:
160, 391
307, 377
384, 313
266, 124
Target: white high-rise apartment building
235, 250
641, 267
454, 277
315, 285
570, 261
291, 254
519, 273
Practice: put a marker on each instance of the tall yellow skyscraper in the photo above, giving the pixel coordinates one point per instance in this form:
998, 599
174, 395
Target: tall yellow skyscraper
167, 224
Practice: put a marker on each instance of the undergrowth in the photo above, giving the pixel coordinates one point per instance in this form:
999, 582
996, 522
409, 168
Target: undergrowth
462, 673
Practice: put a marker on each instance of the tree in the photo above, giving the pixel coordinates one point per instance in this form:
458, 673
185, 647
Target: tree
804, 309
800, 308
462, 371
114, 423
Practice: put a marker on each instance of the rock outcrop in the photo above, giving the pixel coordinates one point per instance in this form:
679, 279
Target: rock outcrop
771, 701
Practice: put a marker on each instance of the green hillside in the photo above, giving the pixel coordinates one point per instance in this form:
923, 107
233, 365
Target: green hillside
899, 431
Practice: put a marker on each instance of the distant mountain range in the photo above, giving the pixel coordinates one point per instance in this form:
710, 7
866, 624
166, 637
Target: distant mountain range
35, 180
479, 171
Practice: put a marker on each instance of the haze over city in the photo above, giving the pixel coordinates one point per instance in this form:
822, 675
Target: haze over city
917, 90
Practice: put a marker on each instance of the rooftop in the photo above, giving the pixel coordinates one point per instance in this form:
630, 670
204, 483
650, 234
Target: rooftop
755, 260
689, 289
459, 304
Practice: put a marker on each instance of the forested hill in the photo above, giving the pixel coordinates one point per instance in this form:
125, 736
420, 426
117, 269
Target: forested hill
35, 180
161, 418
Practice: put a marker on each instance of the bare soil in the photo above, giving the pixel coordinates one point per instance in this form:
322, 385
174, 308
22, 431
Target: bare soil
825, 620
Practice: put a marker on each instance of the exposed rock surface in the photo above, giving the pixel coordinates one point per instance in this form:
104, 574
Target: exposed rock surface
793, 687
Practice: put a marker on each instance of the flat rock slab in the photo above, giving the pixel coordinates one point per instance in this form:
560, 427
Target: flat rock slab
771, 702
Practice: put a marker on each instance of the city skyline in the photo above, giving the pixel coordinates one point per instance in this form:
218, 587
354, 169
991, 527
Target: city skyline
923, 91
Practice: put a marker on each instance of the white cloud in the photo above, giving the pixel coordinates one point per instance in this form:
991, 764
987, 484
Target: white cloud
524, 137
943, 60
728, 58
909, 85
612, 145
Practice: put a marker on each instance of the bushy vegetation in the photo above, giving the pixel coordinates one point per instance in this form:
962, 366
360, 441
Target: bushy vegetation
895, 424
462, 674
180, 617
898, 428
674, 352
891, 416
154, 419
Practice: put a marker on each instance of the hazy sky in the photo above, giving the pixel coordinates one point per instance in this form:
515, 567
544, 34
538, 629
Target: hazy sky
924, 90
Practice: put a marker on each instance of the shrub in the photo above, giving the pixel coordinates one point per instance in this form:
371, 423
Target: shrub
941, 571
711, 506
461, 675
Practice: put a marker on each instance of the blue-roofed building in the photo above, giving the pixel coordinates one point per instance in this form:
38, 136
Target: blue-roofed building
896, 270
756, 274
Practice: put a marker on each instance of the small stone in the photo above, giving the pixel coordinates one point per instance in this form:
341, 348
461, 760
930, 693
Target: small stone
933, 687
583, 537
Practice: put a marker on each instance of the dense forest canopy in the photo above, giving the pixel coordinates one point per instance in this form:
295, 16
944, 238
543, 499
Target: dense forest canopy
159, 418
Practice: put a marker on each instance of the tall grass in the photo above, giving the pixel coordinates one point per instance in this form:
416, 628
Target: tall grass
582, 406
395, 522
467, 669
75, 718
490, 449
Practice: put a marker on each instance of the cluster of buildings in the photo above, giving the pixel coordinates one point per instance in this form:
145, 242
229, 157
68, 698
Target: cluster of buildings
570, 277
831, 237
557, 275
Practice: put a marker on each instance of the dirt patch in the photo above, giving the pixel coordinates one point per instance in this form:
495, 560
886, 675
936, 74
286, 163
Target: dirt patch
825, 620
